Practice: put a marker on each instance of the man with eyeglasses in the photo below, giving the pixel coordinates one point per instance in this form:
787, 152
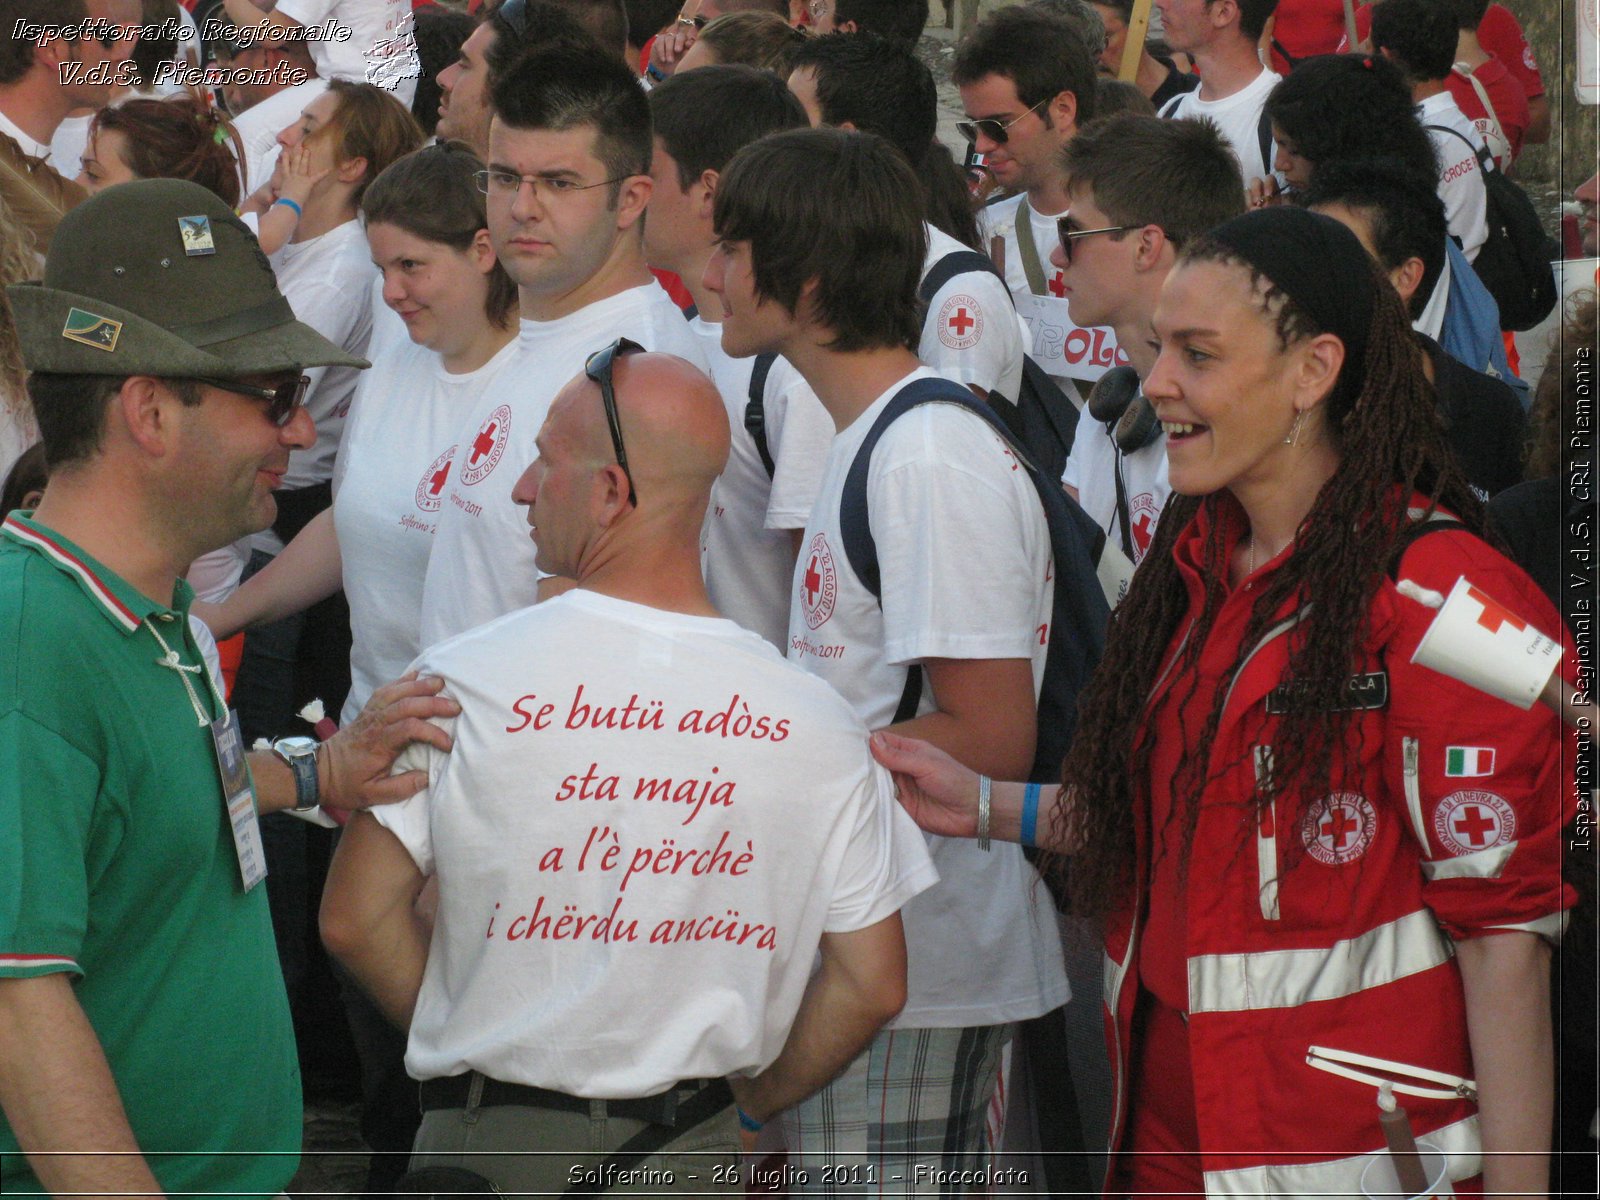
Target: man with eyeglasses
567, 184
376, 44
1140, 187
1027, 83
145, 1040
633, 883
82, 51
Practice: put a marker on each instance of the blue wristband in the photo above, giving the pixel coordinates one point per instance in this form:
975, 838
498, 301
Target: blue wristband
748, 1123
655, 73
288, 203
1030, 814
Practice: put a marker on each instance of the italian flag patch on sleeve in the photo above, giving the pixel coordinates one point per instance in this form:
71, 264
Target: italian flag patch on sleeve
1468, 762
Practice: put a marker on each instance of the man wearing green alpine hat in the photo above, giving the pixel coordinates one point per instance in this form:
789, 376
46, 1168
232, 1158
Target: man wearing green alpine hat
143, 1023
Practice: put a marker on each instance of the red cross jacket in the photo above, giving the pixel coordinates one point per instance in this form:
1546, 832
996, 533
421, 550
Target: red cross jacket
1321, 931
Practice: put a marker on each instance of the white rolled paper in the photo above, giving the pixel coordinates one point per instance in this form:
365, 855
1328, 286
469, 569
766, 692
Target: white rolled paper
1486, 646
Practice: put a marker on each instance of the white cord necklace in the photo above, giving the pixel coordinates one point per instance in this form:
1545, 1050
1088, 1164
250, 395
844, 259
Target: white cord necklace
170, 660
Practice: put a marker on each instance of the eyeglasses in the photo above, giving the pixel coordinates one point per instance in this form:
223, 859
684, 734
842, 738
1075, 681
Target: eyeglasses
282, 400
598, 368
545, 187
1068, 232
992, 127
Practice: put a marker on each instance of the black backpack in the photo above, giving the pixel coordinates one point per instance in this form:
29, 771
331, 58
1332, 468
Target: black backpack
1082, 556
1514, 263
1041, 419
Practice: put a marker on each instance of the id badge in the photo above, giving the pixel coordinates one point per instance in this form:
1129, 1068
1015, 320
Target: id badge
239, 799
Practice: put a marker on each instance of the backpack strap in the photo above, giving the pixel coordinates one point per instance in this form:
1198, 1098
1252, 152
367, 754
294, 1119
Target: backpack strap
957, 262
1171, 105
755, 410
1264, 138
1481, 153
855, 526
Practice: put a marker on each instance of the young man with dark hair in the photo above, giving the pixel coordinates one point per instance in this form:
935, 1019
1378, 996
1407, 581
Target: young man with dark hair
1027, 83
1151, 186
763, 497
1221, 36
606, 21
567, 184
1157, 77
902, 20
42, 79
1492, 98
821, 247
1401, 223
1419, 37
869, 83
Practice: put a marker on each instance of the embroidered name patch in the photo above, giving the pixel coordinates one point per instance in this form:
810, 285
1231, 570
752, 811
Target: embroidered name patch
1361, 693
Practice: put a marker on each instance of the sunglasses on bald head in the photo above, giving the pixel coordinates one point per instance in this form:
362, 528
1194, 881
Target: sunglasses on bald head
599, 369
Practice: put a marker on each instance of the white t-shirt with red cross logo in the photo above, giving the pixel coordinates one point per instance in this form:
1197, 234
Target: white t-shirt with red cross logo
972, 333
964, 561
388, 487
1092, 469
482, 563
745, 544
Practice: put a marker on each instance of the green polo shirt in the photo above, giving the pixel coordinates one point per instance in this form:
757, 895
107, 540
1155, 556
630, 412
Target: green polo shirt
117, 865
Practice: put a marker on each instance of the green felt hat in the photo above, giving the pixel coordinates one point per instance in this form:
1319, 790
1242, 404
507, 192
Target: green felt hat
159, 277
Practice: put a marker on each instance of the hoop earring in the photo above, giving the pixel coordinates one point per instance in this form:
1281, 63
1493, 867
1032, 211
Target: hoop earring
1294, 430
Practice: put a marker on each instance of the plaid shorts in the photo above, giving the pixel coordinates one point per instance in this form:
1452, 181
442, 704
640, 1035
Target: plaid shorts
901, 1118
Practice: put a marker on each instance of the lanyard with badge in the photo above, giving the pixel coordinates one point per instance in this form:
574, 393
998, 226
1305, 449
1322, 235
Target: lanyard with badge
228, 745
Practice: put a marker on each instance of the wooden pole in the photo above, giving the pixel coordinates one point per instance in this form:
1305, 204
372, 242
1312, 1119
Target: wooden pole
1350, 26
1133, 47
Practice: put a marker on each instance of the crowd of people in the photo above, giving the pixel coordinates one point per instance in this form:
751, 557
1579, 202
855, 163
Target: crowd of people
750, 637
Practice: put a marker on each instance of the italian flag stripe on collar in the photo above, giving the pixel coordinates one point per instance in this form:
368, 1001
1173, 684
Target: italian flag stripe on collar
1468, 762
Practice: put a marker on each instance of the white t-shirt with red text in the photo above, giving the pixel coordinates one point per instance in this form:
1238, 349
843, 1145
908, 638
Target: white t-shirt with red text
1456, 141
482, 563
388, 487
965, 566
746, 550
648, 822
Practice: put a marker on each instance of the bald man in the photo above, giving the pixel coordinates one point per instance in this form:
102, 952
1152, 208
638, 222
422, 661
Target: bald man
633, 880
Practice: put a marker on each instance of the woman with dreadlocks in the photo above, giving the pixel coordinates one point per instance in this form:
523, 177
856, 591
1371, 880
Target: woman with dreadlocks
1320, 866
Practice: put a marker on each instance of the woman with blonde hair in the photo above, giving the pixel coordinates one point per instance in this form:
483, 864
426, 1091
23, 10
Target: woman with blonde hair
18, 264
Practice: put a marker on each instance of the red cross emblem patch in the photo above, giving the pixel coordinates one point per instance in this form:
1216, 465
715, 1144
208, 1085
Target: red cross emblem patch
1468, 821
960, 322
430, 489
1142, 517
1340, 830
486, 447
819, 581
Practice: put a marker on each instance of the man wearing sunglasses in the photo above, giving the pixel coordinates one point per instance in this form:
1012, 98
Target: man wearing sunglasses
566, 186
142, 1006
1140, 188
633, 881
42, 80
1027, 84
821, 250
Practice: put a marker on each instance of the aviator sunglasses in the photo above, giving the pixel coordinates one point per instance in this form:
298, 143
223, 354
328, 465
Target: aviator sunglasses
992, 127
598, 368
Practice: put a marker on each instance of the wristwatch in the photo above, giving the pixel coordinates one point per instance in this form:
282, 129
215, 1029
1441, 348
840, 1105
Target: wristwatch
300, 753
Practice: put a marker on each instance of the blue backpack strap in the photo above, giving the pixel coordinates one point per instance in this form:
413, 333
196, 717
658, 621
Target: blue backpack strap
755, 410
957, 262
855, 526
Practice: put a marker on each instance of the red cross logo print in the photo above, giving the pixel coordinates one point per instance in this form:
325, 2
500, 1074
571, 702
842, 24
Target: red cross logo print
1057, 284
1493, 616
961, 322
488, 446
1469, 821
1339, 831
819, 582
434, 477
436, 480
